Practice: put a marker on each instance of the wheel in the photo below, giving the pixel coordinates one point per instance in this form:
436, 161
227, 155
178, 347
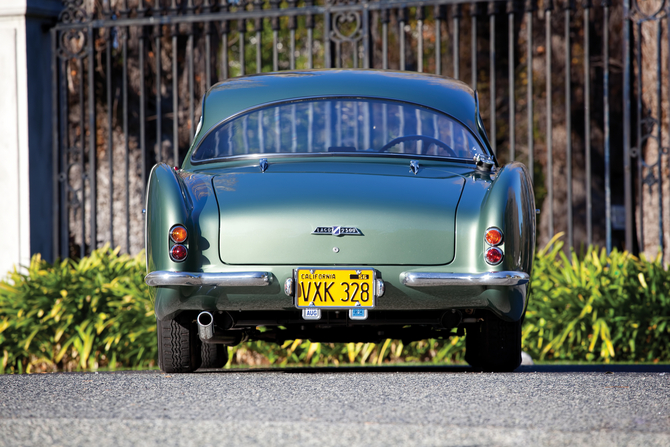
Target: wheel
494, 344
213, 355
177, 346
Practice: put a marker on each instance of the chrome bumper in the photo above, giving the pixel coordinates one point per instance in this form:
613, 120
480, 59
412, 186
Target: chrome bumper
427, 279
239, 279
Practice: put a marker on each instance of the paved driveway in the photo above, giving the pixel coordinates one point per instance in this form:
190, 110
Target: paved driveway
405, 406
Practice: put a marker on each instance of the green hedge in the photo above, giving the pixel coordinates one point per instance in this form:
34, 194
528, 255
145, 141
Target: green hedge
77, 315
598, 308
95, 313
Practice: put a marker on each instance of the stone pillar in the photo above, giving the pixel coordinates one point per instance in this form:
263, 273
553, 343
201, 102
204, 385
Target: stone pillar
25, 130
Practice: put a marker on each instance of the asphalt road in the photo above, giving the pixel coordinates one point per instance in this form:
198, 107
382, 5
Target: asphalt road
423, 406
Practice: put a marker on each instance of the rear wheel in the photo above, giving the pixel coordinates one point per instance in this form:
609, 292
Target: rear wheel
213, 355
177, 347
494, 344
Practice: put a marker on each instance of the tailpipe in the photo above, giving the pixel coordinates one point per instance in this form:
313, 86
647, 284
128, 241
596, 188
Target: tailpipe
222, 335
205, 325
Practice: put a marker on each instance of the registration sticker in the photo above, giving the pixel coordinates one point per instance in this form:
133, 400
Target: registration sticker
358, 314
311, 313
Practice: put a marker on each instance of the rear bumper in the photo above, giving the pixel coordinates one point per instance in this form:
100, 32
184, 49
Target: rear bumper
406, 288
236, 279
409, 279
491, 279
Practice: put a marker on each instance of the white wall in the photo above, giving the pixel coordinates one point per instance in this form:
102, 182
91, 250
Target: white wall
25, 130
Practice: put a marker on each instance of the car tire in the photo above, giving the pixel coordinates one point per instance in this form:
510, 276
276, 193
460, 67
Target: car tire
494, 344
214, 356
177, 348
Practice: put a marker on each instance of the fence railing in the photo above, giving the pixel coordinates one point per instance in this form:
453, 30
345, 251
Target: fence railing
558, 82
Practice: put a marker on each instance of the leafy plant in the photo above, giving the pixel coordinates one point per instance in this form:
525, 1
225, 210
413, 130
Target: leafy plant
598, 307
77, 315
96, 313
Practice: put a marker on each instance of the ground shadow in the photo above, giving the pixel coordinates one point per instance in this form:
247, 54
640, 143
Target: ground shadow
546, 368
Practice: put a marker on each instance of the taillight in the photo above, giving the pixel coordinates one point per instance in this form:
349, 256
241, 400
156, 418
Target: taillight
178, 253
494, 255
493, 236
178, 234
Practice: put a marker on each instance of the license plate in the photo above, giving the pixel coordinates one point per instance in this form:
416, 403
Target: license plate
335, 288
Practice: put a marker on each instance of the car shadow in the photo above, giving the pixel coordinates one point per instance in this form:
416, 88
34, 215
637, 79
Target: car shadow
545, 368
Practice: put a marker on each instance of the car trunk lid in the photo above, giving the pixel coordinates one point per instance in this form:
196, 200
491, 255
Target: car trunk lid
272, 217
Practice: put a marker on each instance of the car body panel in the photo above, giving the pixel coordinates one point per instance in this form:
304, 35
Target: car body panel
400, 223
243, 220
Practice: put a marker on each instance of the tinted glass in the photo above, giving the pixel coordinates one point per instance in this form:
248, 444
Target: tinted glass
340, 125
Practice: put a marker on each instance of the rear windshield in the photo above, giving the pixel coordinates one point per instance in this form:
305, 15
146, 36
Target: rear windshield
340, 125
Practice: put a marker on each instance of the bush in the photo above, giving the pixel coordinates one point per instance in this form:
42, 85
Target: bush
82, 314
598, 308
95, 313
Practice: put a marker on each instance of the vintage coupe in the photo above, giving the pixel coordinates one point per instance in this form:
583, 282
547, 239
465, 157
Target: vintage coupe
339, 206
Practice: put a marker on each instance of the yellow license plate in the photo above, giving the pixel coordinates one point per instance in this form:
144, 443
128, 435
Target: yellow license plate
335, 288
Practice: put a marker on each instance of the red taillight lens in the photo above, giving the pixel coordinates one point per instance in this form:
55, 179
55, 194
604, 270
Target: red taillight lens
494, 236
178, 234
494, 255
178, 253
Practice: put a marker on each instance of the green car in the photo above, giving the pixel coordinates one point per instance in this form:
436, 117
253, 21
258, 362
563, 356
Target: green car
339, 206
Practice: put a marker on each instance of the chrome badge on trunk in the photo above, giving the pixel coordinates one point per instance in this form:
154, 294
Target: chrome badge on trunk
337, 231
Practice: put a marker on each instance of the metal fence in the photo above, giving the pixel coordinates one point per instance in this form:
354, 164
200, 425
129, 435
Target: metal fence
578, 92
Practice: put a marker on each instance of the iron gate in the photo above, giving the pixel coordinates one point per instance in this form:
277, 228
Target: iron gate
578, 92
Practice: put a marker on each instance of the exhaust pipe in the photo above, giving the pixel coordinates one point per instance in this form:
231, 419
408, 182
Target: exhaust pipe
205, 326
207, 334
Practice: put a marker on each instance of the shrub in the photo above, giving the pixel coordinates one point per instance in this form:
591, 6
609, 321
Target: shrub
96, 313
77, 315
598, 307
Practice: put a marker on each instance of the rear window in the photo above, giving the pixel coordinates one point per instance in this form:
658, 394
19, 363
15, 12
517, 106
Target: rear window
340, 125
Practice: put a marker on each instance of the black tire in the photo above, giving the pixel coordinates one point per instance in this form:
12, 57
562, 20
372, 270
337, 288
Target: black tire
494, 344
214, 356
177, 347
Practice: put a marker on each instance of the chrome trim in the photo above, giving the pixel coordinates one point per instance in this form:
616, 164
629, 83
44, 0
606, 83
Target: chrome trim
236, 279
206, 329
337, 230
263, 164
414, 167
430, 279
270, 156
484, 162
381, 287
288, 287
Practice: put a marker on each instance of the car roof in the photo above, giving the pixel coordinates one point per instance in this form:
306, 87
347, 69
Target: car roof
236, 95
